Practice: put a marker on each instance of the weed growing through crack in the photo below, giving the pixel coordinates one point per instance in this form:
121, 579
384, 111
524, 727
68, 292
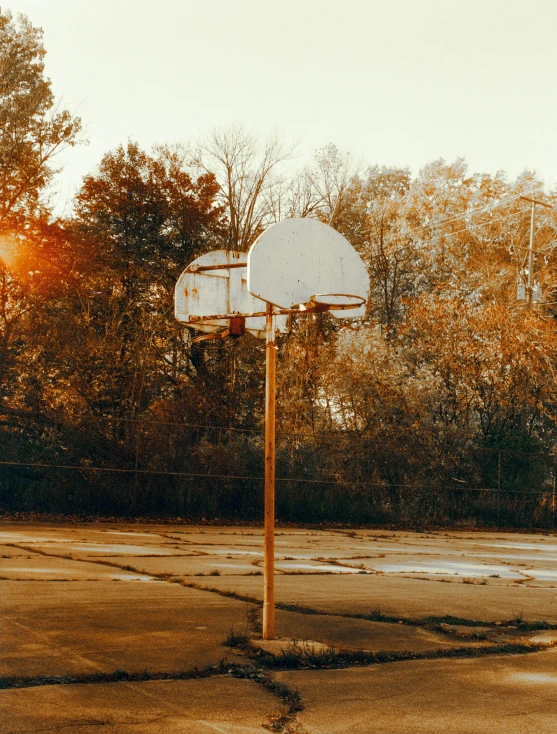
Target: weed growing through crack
376, 615
306, 656
292, 705
235, 639
290, 697
252, 629
7, 682
474, 581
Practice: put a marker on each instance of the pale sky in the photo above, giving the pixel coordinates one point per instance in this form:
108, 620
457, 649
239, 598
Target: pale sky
395, 82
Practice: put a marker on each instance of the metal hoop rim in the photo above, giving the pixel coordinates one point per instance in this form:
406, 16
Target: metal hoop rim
320, 300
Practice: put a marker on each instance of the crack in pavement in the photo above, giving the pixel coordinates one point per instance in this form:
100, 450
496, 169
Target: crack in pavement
88, 722
290, 699
173, 579
287, 722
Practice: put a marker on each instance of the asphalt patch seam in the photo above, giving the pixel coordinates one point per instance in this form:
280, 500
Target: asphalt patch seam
374, 616
290, 699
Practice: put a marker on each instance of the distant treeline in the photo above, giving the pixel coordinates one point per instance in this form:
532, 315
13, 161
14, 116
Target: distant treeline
439, 406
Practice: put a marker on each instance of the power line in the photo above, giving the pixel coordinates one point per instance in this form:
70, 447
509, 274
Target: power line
333, 435
475, 226
103, 419
297, 480
477, 210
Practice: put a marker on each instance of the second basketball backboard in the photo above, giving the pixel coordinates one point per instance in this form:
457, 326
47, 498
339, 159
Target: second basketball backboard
211, 293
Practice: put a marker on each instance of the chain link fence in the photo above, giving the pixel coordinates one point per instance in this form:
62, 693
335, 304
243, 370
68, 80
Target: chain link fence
124, 467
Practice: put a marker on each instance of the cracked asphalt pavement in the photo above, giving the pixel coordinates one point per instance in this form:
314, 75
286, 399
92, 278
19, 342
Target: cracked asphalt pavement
121, 628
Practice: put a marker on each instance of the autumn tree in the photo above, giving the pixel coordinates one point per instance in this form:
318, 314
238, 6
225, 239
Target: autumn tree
499, 384
34, 265
470, 229
374, 221
138, 220
250, 177
33, 127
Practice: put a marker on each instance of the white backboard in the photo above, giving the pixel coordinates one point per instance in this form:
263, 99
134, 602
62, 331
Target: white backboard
296, 259
205, 299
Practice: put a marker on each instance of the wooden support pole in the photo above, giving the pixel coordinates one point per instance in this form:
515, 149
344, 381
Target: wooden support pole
553, 496
499, 488
269, 551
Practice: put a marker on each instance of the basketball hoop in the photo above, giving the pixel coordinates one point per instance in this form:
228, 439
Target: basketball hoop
296, 266
335, 302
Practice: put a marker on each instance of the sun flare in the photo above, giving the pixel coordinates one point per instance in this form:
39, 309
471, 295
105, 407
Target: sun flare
8, 250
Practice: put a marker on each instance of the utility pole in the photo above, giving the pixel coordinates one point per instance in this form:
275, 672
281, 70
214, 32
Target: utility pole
530, 286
